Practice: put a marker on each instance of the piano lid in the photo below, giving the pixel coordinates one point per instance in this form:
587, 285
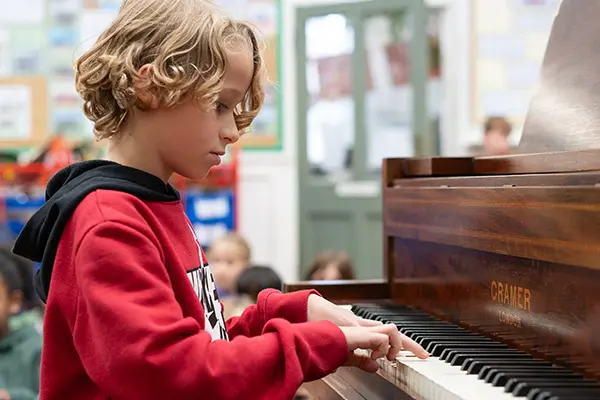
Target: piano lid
564, 113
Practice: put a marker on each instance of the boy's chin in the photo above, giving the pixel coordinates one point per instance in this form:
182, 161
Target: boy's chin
194, 175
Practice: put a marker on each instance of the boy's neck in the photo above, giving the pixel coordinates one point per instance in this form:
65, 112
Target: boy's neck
128, 151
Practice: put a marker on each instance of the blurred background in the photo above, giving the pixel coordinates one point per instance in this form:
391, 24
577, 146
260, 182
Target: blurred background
349, 84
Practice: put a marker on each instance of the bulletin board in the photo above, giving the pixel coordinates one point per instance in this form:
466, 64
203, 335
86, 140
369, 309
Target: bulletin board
40, 39
508, 40
23, 111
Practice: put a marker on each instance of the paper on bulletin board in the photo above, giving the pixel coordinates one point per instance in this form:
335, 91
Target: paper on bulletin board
264, 16
64, 6
22, 12
524, 75
15, 112
93, 23
493, 17
535, 45
235, 8
491, 74
5, 69
509, 102
501, 46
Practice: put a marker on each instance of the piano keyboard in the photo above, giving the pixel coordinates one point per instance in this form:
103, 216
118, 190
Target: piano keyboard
468, 366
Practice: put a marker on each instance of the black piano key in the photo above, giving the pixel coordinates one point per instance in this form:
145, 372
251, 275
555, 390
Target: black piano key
564, 393
501, 378
486, 368
436, 348
481, 367
522, 387
464, 360
425, 340
458, 357
567, 397
450, 354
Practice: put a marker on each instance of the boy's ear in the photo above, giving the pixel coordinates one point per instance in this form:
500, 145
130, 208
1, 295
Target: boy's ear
142, 84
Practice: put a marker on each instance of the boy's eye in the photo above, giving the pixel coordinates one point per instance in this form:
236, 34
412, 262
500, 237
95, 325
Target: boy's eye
222, 107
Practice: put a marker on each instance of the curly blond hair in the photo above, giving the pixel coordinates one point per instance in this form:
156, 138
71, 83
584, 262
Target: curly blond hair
186, 43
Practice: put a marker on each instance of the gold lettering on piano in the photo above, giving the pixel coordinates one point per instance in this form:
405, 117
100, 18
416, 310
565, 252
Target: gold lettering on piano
514, 296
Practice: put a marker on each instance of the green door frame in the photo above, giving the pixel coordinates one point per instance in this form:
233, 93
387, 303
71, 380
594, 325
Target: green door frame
317, 190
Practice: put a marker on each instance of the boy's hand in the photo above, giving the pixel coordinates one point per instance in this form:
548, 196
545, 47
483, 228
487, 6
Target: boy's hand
321, 309
4, 395
382, 340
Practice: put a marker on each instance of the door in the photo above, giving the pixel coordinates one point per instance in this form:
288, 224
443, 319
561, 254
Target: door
361, 76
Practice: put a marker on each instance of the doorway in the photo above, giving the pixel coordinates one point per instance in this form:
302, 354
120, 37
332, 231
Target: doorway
362, 77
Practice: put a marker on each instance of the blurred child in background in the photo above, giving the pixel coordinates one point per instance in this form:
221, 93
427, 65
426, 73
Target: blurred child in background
250, 282
32, 310
20, 344
495, 139
228, 256
331, 265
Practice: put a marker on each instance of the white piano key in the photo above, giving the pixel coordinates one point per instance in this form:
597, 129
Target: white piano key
434, 379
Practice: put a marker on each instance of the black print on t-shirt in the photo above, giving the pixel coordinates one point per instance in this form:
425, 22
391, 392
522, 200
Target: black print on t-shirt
203, 283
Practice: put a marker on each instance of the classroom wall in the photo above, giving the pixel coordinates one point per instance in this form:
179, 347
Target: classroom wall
268, 182
269, 212
270, 199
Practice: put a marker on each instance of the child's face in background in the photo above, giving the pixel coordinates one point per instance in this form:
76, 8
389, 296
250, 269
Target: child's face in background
227, 260
329, 273
10, 304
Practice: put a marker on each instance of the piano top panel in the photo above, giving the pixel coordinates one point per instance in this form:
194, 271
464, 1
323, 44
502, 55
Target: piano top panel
563, 161
516, 164
564, 114
575, 179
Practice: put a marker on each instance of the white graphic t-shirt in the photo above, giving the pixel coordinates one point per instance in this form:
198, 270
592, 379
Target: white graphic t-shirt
203, 283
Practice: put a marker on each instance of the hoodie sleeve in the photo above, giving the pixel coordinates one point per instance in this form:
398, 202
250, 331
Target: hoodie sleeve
271, 303
135, 343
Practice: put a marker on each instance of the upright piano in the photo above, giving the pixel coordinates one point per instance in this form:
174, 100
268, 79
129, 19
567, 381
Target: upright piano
493, 263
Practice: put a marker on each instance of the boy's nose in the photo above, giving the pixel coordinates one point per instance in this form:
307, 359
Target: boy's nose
230, 134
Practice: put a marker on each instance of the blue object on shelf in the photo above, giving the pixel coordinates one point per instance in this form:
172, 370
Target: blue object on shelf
212, 214
19, 209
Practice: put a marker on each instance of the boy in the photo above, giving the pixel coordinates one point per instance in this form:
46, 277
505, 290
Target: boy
228, 255
20, 348
131, 306
495, 139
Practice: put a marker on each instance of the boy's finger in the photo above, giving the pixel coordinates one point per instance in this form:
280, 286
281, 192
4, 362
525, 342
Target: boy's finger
414, 347
368, 322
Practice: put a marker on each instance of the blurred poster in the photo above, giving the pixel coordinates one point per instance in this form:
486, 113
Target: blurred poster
5, 69
263, 15
398, 60
22, 12
15, 112
335, 76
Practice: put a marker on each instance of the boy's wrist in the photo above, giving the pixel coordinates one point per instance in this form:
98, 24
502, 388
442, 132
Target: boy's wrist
292, 307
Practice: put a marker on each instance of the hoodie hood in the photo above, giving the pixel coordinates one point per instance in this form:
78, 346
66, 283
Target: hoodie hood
38, 241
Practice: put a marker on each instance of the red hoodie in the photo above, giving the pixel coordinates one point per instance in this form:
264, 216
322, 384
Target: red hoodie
132, 310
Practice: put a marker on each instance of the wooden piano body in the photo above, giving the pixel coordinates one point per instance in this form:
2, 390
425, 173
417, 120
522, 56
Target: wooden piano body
505, 246
508, 247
